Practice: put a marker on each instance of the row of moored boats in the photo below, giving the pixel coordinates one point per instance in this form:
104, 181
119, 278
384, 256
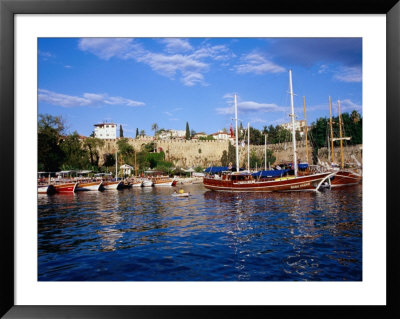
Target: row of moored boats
76, 185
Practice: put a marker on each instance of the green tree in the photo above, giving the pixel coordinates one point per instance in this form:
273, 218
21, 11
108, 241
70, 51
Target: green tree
206, 138
121, 131
154, 127
187, 136
137, 132
92, 145
126, 151
76, 157
109, 160
142, 133
255, 161
224, 158
50, 131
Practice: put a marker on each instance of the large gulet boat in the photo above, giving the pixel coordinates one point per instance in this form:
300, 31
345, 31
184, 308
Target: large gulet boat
343, 177
244, 181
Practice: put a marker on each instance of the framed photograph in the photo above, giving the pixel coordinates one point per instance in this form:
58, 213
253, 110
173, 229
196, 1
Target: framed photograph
213, 108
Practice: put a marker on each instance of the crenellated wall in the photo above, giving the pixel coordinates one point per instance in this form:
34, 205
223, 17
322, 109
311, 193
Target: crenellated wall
192, 153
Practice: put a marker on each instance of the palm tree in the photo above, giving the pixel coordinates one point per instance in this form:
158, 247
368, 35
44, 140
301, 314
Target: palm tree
154, 127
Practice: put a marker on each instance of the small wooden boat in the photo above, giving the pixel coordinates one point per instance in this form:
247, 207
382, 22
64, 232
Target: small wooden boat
65, 187
345, 178
107, 185
89, 186
181, 194
136, 183
147, 182
163, 181
46, 189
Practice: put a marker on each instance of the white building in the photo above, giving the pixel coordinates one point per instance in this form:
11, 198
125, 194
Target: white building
172, 134
298, 126
105, 130
220, 135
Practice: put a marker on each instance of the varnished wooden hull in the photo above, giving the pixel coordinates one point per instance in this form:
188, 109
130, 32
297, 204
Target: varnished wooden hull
163, 182
300, 183
111, 185
90, 186
65, 188
344, 178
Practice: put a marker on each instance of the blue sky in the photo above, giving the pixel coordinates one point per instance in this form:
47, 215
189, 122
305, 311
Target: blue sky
171, 81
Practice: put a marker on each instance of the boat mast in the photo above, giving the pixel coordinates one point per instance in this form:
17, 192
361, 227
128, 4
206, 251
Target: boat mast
265, 149
293, 130
236, 131
305, 128
341, 139
135, 166
116, 165
330, 124
248, 147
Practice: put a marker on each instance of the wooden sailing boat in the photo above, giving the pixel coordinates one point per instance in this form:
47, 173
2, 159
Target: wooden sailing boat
247, 182
343, 177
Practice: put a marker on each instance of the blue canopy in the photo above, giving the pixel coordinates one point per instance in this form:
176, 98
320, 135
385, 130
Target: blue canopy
276, 173
303, 165
219, 169
216, 169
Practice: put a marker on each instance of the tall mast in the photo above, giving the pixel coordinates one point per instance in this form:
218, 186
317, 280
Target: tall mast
248, 146
116, 165
236, 131
330, 124
135, 166
293, 130
305, 119
265, 149
341, 140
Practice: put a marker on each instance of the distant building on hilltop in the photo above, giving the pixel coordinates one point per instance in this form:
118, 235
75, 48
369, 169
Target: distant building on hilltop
298, 126
220, 135
172, 134
200, 134
105, 130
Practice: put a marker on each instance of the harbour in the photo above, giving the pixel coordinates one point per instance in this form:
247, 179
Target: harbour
145, 234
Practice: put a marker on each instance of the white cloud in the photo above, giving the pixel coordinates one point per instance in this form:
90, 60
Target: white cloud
189, 66
248, 106
45, 54
258, 64
349, 105
169, 65
174, 45
87, 99
323, 69
349, 74
106, 48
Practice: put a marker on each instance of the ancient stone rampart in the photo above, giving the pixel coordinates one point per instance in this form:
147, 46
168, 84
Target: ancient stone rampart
192, 153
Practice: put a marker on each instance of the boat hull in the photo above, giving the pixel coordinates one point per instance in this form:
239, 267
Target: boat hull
46, 189
111, 185
300, 183
344, 178
65, 188
147, 183
136, 184
92, 186
169, 183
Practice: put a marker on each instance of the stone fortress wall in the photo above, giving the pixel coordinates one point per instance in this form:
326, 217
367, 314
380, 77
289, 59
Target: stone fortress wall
193, 153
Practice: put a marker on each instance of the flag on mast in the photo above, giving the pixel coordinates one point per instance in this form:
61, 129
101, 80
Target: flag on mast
231, 130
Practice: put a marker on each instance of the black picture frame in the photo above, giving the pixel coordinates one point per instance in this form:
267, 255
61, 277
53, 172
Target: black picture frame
8, 8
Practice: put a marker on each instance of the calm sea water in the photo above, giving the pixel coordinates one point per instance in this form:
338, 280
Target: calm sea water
146, 234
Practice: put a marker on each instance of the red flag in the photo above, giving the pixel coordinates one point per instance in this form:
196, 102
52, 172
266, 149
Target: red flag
231, 131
